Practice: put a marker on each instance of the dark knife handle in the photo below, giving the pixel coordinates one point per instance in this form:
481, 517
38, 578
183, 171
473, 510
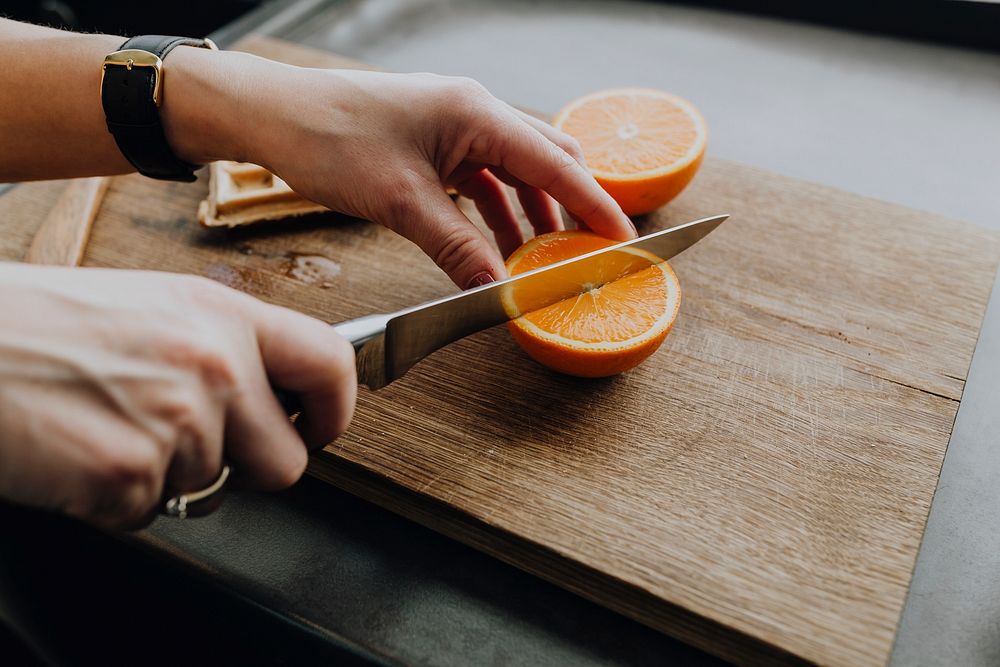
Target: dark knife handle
290, 401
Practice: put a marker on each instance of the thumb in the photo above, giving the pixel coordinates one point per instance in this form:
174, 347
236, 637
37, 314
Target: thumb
429, 218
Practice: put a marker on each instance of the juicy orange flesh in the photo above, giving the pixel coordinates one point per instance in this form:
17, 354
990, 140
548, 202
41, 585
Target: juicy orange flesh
628, 297
553, 248
549, 250
618, 311
630, 133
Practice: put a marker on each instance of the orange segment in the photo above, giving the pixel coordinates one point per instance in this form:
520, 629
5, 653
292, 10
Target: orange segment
551, 248
619, 312
608, 329
643, 146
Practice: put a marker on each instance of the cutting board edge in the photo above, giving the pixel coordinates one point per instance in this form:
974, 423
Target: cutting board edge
671, 619
994, 293
818, 186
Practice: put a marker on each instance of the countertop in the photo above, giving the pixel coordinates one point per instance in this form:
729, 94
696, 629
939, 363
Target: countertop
334, 576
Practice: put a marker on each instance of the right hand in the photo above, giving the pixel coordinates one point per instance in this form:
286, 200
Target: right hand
115, 385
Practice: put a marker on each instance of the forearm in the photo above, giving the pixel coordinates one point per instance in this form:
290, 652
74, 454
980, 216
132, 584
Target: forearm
372, 145
52, 122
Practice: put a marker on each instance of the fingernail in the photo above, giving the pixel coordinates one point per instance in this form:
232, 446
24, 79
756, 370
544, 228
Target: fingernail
480, 279
631, 224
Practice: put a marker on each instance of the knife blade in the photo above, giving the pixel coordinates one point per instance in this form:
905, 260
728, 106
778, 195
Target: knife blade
387, 345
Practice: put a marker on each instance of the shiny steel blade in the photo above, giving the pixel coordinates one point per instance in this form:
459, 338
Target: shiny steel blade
390, 344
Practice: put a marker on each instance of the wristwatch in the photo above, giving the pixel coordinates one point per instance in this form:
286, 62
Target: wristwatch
131, 93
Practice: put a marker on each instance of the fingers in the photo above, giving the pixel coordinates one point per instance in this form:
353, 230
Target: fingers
425, 214
197, 458
541, 210
492, 202
558, 137
305, 356
525, 153
125, 486
249, 348
114, 480
261, 441
268, 347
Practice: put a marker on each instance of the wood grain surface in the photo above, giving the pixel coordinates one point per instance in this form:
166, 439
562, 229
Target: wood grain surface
758, 488
64, 233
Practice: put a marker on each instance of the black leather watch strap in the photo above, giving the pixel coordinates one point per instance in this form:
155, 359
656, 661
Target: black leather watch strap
130, 94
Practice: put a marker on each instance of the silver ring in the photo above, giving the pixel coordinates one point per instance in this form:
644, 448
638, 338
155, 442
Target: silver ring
197, 503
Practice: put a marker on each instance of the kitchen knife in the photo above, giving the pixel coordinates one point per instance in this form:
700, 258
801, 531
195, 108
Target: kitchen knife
387, 345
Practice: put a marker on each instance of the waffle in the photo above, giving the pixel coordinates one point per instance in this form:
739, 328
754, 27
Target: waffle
240, 193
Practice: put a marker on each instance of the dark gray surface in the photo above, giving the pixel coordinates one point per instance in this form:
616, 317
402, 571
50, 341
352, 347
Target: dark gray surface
952, 613
76, 596
368, 578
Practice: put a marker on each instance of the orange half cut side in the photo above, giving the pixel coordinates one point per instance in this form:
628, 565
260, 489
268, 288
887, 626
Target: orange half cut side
605, 330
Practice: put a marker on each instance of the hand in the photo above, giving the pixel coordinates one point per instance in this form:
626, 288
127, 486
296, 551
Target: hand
116, 384
384, 146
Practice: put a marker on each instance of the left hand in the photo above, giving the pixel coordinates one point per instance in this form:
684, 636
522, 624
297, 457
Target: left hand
384, 147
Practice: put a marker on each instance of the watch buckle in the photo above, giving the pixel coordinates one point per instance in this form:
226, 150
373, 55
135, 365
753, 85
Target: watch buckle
129, 58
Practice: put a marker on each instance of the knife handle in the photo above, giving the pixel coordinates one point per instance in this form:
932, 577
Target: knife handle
358, 332
289, 400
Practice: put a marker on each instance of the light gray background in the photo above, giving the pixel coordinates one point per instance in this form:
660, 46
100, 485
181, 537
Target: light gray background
911, 123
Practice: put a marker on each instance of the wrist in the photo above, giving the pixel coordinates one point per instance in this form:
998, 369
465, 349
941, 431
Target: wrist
202, 115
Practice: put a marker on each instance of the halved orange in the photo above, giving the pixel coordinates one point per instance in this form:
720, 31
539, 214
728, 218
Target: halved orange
606, 330
642, 145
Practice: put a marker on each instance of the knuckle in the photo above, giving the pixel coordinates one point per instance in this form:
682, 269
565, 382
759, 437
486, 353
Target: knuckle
127, 484
566, 167
490, 147
206, 295
202, 354
468, 87
573, 147
218, 370
401, 202
137, 471
460, 248
203, 290
181, 409
470, 102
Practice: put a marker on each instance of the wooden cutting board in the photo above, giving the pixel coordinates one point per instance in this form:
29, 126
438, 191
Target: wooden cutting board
758, 488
